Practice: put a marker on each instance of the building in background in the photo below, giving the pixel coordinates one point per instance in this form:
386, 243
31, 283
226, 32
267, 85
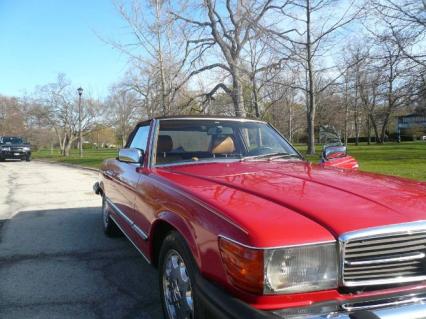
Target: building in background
412, 126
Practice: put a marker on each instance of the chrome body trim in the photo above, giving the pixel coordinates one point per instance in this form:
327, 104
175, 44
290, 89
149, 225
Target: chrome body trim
153, 143
386, 260
210, 119
131, 241
374, 282
277, 247
390, 230
381, 232
130, 155
135, 227
140, 232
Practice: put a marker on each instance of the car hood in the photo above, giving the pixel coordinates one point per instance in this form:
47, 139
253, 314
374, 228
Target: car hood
338, 200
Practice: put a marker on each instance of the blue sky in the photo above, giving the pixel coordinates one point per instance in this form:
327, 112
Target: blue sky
41, 38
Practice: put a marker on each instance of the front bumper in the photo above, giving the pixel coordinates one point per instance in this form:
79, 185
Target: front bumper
219, 304
14, 154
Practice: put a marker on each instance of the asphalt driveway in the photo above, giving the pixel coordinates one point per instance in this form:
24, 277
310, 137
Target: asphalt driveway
55, 261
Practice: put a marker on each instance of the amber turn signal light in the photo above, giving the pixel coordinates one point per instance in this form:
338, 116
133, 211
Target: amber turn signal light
244, 266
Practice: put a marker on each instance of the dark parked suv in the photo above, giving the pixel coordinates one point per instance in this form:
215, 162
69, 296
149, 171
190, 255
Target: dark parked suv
14, 147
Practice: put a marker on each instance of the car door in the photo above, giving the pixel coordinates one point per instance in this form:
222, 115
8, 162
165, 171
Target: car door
126, 177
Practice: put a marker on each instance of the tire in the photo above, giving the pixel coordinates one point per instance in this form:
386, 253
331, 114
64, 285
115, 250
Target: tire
175, 252
110, 228
28, 158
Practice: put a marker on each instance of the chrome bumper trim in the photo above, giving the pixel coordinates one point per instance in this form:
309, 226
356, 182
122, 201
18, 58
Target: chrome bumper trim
411, 307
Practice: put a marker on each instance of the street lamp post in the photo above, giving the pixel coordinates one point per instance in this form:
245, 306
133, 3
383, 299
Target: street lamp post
80, 136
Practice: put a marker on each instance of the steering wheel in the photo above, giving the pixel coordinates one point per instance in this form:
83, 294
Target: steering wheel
260, 151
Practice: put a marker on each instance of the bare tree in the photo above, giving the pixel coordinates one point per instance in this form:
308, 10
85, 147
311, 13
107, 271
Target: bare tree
405, 21
228, 26
313, 36
159, 48
12, 116
123, 111
59, 108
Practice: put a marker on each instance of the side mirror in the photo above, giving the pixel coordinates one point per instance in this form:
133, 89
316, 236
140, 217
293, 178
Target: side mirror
336, 156
130, 155
332, 152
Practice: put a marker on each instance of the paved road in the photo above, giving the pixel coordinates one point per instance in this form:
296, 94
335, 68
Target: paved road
55, 261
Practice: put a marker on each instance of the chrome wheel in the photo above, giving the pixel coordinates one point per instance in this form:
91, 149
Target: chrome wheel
177, 287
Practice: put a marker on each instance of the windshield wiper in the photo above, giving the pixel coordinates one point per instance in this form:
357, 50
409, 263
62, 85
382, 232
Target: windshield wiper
283, 155
271, 156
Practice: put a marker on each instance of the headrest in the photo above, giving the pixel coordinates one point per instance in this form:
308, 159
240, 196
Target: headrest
223, 145
164, 144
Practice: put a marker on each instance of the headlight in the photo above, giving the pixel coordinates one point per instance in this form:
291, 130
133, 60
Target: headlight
26, 149
282, 270
5, 148
301, 269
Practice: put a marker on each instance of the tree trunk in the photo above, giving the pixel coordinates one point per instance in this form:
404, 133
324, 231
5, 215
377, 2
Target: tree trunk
384, 127
123, 140
311, 132
376, 131
67, 148
356, 127
63, 144
160, 60
290, 123
356, 113
368, 130
346, 108
255, 97
237, 93
346, 123
68, 145
311, 107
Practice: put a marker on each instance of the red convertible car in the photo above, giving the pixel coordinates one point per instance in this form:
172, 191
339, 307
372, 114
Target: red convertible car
239, 225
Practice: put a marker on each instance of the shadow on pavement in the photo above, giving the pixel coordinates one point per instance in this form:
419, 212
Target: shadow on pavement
59, 264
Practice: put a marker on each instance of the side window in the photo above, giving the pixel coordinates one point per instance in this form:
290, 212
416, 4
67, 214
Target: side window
140, 139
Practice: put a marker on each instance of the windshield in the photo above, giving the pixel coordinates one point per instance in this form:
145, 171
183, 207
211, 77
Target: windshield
11, 140
182, 141
329, 136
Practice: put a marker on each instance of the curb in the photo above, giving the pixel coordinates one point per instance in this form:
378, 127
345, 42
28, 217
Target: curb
67, 165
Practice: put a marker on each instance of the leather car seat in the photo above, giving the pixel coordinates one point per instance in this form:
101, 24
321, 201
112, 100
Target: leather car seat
223, 145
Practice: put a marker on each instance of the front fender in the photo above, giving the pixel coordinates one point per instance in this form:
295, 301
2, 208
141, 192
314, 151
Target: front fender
346, 162
182, 225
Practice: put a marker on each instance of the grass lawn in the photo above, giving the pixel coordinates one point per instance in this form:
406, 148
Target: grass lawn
407, 159
91, 158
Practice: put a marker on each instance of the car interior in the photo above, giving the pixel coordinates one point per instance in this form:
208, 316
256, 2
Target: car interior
219, 146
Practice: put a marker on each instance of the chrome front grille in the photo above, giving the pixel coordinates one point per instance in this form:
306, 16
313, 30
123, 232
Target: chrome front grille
386, 255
